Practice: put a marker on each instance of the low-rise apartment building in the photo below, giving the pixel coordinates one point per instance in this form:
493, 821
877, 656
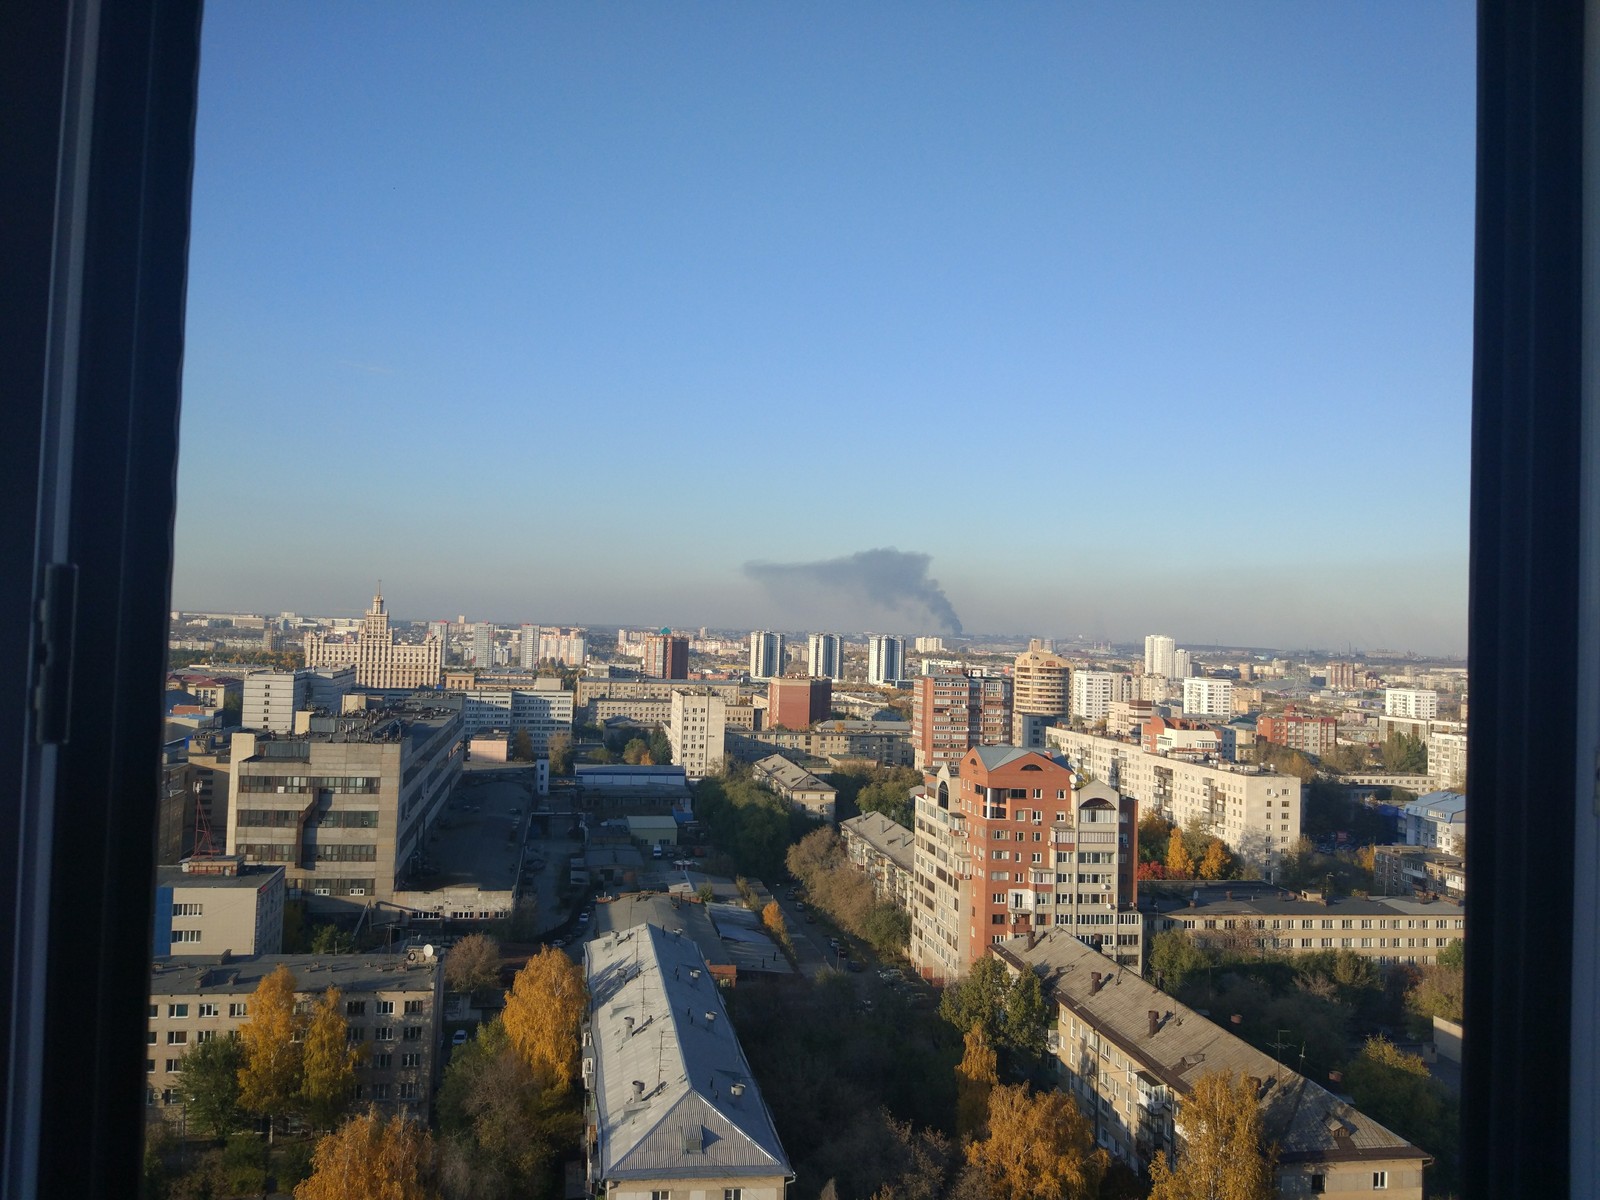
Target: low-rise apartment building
1128, 1054
796, 786
673, 1109
1412, 870
887, 743
1437, 821
1298, 730
1241, 916
1255, 812
393, 1004
884, 851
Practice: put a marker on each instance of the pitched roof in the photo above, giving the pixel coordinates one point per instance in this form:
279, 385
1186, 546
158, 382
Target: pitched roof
673, 1092
885, 836
1308, 1122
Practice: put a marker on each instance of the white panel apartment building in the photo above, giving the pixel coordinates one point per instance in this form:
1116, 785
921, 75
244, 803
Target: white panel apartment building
1255, 812
543, 712
1420, 704
271, 698
698, 731
1208, 698
1158, 650
766, 654
1094, 692
825, 656
886, 657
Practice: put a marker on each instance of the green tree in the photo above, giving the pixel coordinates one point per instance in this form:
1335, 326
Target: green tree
1155, 835
1011, 1010
328, 1062
1404, 754
560, 752
211, 1084
473, 964
1224, 1155
636, 752
888, 928
660, 748
1175, 958
330, 939
1027, 1017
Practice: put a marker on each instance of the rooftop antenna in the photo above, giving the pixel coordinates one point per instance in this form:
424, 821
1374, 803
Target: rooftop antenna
204, 846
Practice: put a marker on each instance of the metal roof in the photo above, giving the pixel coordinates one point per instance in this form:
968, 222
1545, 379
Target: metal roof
673, 1092
1308, 1122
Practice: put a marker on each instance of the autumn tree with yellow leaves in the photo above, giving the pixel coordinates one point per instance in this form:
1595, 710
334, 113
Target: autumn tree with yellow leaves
976, 1076
368, 1158
328, 1062
269, 1081
1038, 1146
544, 1013
1224, 1155
1180, 863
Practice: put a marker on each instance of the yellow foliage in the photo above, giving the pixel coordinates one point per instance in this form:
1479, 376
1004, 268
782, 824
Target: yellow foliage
1039, 1147
1217, 862
544, 1013
976, 1075
329, 1061
1180, 863
1222, 1156
269, 1081
368, 1158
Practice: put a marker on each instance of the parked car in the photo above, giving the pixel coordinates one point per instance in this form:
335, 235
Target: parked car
460, 1038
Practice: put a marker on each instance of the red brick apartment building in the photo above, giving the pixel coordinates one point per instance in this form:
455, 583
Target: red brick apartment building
1299, 731
798, 703
1013, 844
952, 713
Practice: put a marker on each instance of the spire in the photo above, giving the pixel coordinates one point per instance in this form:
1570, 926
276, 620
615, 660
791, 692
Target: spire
377, 600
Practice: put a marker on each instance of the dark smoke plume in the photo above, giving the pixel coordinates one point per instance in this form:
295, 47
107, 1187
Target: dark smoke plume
889, 578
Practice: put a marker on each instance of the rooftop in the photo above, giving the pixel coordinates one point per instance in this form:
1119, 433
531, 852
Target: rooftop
673, 1093
786, 774
1178, 1046
887, 837
225, 975
249, 876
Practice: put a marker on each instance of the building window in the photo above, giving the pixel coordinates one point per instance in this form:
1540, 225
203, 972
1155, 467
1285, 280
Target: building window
1380, 1179
150, 1037
382, 1062
239, 1010
413, 1033
205, 1035
174, 1065
355, 1008
415, 1006
732, 1194
411, 1060
662, 1195
177, 1010
149, 1064
177, 1037
383, 1033
384, 1007
185, 935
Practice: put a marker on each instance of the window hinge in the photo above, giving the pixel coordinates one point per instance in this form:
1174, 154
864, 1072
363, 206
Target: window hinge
52, 692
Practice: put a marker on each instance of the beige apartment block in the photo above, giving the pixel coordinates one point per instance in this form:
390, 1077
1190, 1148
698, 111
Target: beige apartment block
697, 730
219, 905
887, 743
379, 660
392, 1002
885, 852
796, 786
1255, 812
344, 807
1128, 1053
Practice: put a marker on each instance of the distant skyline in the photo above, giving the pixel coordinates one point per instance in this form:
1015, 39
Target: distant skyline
1104, 320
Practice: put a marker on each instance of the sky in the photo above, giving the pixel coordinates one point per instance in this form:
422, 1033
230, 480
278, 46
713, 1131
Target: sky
1063, 319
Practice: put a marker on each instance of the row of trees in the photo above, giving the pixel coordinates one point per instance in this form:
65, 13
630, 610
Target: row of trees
748, 823
833, 884
1167, 852
289, 1060
509, 1103
866, 787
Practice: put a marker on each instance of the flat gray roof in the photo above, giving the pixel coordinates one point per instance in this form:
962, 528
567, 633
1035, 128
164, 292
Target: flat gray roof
187, 975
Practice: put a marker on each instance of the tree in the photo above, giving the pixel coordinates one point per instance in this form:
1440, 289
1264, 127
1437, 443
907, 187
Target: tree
368, 1158
660, 748
772, 918
1404, 754
543, 1014
636, 752
1155, 832
211, 1084
1395, 1089
976, 1076
978, 998
1217, 863
888, 928
473, 964
522, 746
1175, 957
328, 1062
330, 939
1180, 865
560, 752
1027, 1017
1222, 1156
1039, 1147
269, 1081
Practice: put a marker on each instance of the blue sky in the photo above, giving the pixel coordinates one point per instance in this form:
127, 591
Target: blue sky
1131, 317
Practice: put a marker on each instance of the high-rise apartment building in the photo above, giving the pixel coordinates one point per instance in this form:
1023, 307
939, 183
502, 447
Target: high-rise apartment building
698, 729
886, 656
1040, 694
1009, 846
1341, 676
1094, 692
380, 661
1158, 652
528, 647
930, 645
483, 645
825, 656
1182, 664
951, 713
666, 656
1419, 704
766, 654
1211, 698
798, 703
570, 647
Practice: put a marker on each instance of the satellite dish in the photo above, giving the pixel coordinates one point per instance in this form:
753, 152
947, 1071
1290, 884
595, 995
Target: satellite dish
427, 951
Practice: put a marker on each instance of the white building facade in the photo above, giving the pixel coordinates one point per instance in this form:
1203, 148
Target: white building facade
1208, 698
886, 656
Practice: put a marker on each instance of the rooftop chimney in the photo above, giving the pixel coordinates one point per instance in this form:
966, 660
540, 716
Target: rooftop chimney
638, 1089
1154, 1019
1095, 980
